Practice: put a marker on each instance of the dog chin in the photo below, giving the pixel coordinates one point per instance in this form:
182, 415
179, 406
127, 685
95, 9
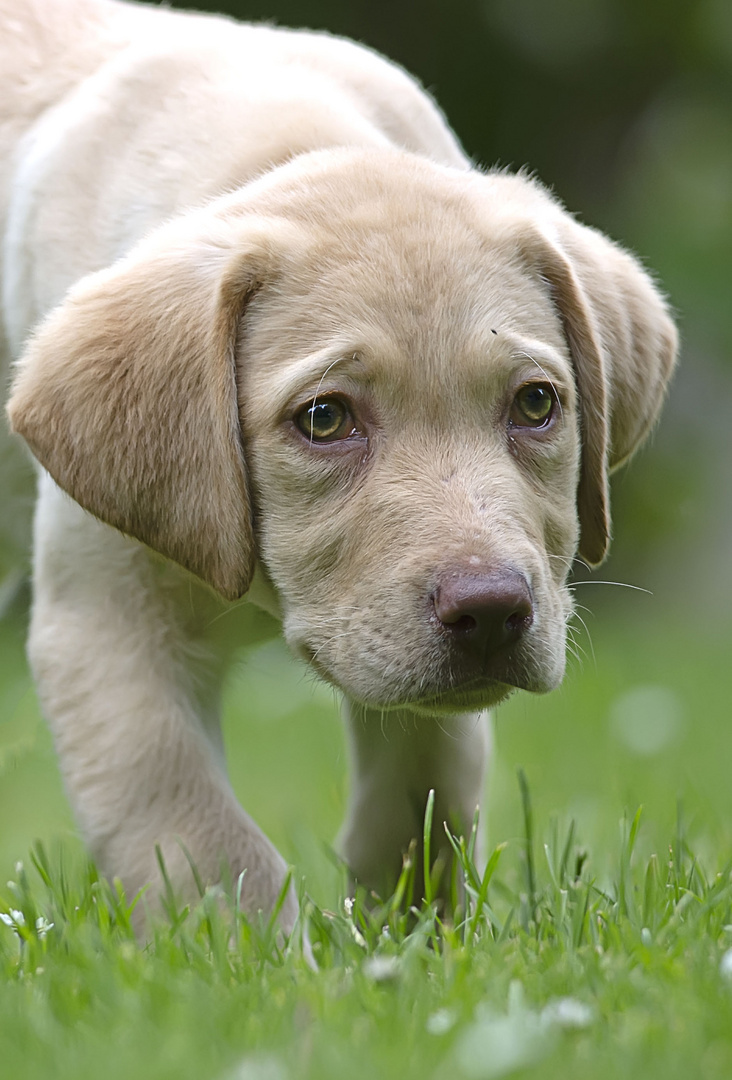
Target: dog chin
474, 699
454, 701
436, 702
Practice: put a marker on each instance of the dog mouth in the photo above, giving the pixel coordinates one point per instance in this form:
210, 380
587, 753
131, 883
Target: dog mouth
442, 692
463, 693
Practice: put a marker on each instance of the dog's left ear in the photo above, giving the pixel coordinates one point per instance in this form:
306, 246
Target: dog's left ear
623, 346
127, 395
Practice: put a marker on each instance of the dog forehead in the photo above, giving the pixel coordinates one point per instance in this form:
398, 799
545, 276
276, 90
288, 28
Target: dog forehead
416, 268
438, 317
433, 296
423, 271
392, 224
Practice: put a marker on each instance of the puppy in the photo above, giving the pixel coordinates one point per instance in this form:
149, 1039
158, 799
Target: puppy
277, 339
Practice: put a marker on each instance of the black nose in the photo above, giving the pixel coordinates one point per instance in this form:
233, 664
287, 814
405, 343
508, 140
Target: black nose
486, 611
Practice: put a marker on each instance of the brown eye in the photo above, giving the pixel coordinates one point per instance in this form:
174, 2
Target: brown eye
325, 420
533, 406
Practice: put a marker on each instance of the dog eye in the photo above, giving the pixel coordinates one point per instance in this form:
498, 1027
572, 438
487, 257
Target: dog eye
325, 420
533, 406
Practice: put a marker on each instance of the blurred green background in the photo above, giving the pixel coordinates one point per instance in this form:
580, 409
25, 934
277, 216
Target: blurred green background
624, 108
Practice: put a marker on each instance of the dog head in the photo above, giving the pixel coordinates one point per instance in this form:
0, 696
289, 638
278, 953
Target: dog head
400, 387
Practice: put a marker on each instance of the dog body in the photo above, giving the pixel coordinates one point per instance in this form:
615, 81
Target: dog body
291, 347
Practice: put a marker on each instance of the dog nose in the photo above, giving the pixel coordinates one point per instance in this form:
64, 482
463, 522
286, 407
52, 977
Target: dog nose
484, 611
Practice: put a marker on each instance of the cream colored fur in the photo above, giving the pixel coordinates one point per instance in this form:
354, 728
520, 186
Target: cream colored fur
206, 226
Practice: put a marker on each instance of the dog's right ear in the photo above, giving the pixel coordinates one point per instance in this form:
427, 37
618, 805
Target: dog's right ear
127, 394
623, 344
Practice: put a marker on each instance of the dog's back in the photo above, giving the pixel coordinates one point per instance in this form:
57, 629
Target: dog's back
46, 49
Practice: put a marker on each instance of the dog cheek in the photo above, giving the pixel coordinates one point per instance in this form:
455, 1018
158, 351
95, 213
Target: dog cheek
560, 535
554, 479
302, 541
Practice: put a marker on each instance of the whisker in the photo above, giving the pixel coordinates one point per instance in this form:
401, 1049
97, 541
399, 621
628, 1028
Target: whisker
569, 561
444, 731
574, 652
550, 381
589, 638
575, 647
620, 584
315, 399
228, 610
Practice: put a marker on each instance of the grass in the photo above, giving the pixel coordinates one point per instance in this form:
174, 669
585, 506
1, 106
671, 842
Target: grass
546, 972
595, 944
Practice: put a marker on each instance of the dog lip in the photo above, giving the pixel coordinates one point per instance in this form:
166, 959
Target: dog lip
464, 700
483, 690
474, 693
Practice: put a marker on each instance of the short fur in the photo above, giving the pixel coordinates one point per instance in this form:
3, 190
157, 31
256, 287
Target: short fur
207, 226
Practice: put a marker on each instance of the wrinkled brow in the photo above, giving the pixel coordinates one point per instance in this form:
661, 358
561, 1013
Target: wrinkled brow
308, 374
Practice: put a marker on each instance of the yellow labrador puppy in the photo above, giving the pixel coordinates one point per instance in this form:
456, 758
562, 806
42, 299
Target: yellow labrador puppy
277, 339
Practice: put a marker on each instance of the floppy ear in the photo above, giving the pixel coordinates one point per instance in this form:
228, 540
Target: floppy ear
127, 395
623, 345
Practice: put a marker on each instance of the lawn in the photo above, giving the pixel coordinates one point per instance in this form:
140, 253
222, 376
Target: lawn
600, 948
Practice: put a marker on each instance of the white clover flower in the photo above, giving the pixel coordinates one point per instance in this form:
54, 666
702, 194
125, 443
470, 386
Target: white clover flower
14, 920
348, 906
440, 1022
43, 926
496, 1045
381, 968
725, 965
568, 1012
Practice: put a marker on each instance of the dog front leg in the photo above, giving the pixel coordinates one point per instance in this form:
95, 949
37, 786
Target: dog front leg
396, 758
131, 696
